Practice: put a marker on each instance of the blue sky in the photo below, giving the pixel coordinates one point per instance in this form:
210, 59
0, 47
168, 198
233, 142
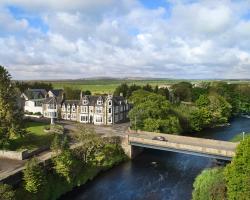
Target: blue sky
50, 39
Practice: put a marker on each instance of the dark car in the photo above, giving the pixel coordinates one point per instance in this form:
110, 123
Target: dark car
160, 138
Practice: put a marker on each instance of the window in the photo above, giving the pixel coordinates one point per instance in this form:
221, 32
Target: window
84, 118
63, 108
73, 108
110, 103
68, 116
98, 119
110, 110
73, 116
85, 102
84, 109
68, 108
110, 119
98, 109
99, 102
52, 106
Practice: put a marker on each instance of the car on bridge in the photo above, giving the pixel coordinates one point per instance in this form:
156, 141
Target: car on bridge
160, 138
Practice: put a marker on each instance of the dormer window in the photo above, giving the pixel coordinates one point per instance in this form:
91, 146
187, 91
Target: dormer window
99, 101
84, 101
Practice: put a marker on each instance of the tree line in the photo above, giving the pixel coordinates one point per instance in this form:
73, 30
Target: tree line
185, 107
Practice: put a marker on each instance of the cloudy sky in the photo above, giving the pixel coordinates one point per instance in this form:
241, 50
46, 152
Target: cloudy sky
52, 39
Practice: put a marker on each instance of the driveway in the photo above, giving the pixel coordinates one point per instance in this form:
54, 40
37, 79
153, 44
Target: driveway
113, 130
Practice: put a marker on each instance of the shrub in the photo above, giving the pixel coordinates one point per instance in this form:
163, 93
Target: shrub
210, 185
34, 176
6, 192
237, 173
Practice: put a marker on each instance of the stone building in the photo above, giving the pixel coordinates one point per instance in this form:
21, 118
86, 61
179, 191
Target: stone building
100, 110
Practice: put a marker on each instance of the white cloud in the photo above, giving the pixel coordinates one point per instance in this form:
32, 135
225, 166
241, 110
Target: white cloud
205, 39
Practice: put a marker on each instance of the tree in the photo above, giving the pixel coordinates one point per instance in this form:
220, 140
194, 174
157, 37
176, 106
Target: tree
164, 92
210, 185
182, 91
65, 164
90, 144
34, 176
6, 192
237, 173
10, 114
72, 94
121, 90
151, 112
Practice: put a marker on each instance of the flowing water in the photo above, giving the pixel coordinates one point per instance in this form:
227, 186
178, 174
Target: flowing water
155, 174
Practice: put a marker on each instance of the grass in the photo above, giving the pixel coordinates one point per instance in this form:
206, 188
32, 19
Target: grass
239, 137
35, 138
104, 86
101, 86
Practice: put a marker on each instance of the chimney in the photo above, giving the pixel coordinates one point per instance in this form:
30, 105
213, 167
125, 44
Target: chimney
81, 95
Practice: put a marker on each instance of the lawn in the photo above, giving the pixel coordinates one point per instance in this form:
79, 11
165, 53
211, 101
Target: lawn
35, 138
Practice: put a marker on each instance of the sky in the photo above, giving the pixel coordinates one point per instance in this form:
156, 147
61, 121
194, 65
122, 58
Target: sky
70, 39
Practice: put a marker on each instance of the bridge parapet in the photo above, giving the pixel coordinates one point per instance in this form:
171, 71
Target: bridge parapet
184, 144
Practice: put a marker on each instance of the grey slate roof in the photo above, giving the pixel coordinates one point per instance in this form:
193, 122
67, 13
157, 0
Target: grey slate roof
57, 92
35, 93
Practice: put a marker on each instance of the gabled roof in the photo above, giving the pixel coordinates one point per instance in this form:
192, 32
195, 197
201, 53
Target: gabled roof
35, 94
57, 92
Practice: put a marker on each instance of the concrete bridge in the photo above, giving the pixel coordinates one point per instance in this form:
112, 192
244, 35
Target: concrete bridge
182, 144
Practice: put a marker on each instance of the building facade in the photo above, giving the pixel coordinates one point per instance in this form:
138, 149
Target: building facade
99, 110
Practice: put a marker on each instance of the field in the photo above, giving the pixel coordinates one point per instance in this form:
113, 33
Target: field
105, 86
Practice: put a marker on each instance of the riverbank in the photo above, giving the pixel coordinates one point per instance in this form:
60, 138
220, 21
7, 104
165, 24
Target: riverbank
57, 186
170, 178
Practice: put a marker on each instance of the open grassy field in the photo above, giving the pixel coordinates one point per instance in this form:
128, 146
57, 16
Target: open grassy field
106, 86
36, 137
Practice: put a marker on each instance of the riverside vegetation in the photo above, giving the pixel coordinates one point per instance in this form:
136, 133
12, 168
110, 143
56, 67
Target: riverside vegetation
69, 168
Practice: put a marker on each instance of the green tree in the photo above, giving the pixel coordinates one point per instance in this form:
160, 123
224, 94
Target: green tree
90, 144
151, 112
72, 94
10, 114
210, 185
6, 192
237, 173
34, 176
121, 89
65, 164
182, 91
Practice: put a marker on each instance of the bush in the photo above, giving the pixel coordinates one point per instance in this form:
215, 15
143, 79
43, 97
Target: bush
34, 176
237, 173
6, 192
210, 185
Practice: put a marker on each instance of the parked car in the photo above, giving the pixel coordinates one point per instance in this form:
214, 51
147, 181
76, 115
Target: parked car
160, 138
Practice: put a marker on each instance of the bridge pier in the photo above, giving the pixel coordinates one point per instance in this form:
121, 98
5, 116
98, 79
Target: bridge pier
130, 151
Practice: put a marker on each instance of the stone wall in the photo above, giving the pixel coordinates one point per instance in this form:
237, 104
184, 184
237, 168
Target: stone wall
21, 155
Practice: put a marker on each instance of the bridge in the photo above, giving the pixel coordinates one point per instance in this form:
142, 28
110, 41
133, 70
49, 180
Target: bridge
182, 144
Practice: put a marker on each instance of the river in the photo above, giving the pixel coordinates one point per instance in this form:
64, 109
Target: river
155, 174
